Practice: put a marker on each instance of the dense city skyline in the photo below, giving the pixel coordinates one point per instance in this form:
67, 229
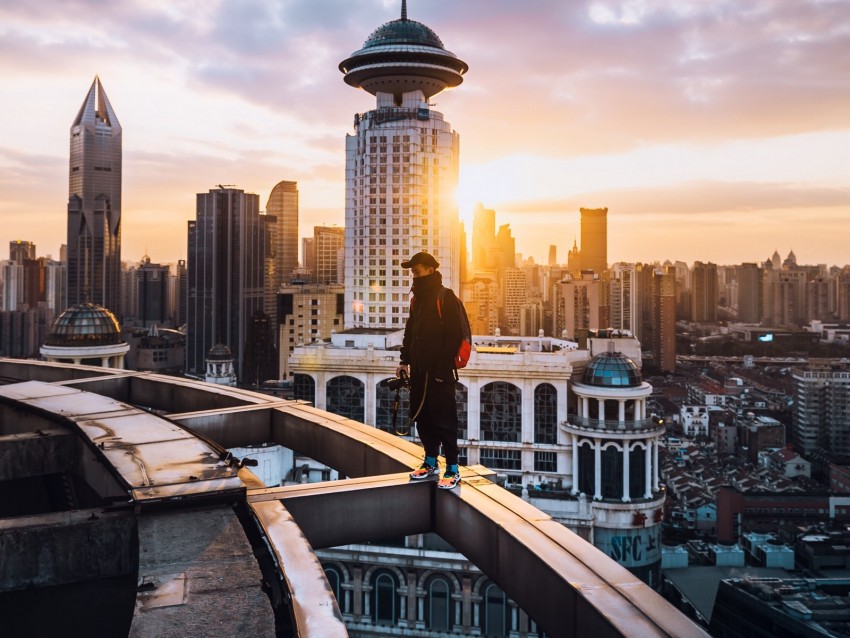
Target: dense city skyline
710, 132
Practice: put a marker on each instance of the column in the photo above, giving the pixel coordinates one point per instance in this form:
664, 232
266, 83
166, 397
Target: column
655, 465
627, 464
574, 439
597, 470
621, 414
412, 616
104, 362
585, 408
647, 484
601, 403
466, 609
638, 410
357, 582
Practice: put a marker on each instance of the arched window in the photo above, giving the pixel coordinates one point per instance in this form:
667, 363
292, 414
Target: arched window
637, 472
384, 599
345, 397
384, 408
612, 473
495, 611
439, 604
335, 580
501, 412
586, 469
545, 413
304, 388
462, 399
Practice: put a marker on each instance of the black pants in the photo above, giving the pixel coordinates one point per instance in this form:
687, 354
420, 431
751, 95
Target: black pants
437, 421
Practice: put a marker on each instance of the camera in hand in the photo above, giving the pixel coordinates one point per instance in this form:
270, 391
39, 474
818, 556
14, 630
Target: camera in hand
399, 382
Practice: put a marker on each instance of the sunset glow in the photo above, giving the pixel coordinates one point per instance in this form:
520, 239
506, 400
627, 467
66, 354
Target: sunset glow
714, 131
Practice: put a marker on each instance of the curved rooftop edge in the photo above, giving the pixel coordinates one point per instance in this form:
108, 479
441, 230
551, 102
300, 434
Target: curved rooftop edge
155, 446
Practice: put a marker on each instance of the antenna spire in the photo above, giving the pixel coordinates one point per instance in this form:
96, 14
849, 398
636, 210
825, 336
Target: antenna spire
404, 9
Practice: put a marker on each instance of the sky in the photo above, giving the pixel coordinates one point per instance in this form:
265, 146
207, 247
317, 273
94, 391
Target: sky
712, 130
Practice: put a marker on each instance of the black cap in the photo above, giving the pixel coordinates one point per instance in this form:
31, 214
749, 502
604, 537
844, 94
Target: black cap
421, 258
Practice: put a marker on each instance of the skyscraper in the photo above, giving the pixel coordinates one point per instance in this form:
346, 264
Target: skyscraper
283, 204
401, 171
623, 297
749, 293
664, 320
594, 239
328, 248
94, 204
704, 292
21, 250
225, 264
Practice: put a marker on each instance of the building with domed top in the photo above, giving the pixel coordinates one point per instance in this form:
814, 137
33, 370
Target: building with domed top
615, 461
220, 368
86, 334
401, 171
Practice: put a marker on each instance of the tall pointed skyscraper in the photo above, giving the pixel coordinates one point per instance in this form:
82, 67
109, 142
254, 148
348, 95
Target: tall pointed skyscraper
401, 171
94, 204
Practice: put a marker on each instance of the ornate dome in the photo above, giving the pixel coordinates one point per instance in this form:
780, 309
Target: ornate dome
612, 369
87, 325
220, 352
403, 56
403, 31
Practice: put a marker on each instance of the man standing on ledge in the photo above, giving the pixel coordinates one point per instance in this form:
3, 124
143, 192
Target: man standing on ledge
432, 337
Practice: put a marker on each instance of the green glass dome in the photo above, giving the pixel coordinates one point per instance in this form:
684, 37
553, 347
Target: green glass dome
220, 352
85, 324
403, 32
612, 370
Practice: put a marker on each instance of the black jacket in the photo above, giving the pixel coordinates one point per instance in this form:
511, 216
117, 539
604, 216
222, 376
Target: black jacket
430, 343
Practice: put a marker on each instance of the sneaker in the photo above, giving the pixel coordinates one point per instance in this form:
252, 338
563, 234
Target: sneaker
449, 480
425, 471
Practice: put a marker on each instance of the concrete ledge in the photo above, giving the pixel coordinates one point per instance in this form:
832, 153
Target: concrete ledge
47, 451
66, 547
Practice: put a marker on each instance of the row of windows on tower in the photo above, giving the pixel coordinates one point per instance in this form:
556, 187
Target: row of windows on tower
420, 175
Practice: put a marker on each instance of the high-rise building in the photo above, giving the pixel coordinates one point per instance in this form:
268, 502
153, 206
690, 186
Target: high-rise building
513, 289
582, 300
328, 265
664, 320
622, 297
749, 293
308, 256
553, 255
181, 296
704, 292
822, 410
307, 313
483, 239
152, 294
594, 239
11, 285
401, 171
283, 204
785, 298
225, 267
94, 205
819, 300
21, 250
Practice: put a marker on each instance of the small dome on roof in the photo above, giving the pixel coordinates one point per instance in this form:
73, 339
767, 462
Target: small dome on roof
612, 369
403, 31
86, 325
220, 352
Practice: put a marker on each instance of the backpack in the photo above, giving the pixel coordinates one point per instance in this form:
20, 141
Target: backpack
465, 348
